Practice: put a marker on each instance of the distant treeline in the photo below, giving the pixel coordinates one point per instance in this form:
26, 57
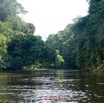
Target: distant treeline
79, 46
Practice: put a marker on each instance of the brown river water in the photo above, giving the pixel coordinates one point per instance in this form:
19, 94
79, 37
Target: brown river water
51, 86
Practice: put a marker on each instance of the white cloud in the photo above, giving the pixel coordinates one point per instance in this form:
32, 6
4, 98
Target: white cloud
51, 16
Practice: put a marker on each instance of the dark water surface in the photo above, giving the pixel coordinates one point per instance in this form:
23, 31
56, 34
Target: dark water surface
68, 87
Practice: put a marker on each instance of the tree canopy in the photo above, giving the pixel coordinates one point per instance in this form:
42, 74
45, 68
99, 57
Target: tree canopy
19, 48
81, 43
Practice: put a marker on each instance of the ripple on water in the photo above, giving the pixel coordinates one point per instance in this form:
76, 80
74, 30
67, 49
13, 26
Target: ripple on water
52, 86
34, 89
38, 95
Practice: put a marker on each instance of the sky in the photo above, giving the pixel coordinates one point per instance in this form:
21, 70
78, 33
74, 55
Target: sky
51, 16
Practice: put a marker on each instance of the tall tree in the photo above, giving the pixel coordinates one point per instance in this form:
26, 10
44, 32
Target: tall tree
25, 50
9, 9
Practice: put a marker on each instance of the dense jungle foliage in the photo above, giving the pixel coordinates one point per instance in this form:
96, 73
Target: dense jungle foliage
79, 46
19, 48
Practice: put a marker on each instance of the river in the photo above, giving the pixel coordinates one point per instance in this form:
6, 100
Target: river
51, 86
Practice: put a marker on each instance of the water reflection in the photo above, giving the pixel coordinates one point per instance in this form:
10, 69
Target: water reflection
32, 87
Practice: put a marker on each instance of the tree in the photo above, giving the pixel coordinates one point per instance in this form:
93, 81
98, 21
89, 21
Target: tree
25, 50
59, 59
49, 56
18, 25
3, 46
28, 28
9, 9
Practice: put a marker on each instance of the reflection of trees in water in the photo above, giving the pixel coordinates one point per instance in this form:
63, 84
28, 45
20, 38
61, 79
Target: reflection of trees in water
67, 80
59, 77
89, 83
6, 93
